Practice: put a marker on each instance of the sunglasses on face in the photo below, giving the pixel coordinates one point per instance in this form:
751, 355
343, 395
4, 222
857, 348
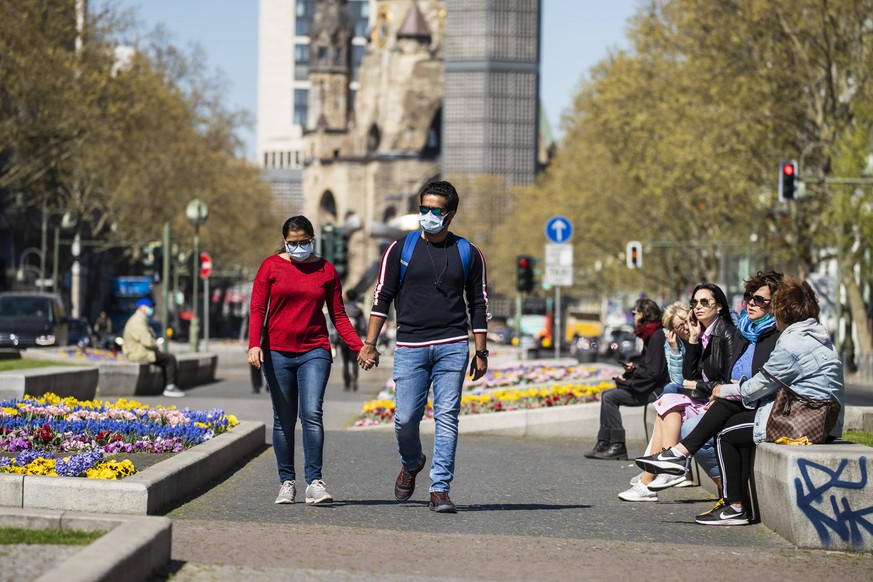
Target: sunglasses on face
297, 244
435, 210
703, 303
756, 300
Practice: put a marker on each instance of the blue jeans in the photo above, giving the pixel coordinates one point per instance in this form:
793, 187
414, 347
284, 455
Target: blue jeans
671, 388
443, 365
297, 382
706, 456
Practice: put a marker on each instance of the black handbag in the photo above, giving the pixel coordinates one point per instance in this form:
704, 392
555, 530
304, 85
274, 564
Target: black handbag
795, 416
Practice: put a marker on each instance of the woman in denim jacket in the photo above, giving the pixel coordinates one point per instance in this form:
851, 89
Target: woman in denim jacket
803, 358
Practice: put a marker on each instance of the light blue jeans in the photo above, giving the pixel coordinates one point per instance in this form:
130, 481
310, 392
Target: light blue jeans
297, 382
706, 456
415, 369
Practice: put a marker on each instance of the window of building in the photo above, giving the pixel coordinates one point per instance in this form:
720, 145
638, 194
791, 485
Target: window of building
358, 51
301, 62
301, 106
359, 14
304, 11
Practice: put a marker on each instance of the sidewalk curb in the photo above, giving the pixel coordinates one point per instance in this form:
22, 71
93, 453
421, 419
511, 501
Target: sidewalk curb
143, 493
132, 549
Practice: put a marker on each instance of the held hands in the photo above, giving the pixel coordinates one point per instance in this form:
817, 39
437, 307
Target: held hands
368, 357
256, 357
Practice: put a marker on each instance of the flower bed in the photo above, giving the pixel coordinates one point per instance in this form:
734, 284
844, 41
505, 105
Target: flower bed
96, 355
381, 411
40, 429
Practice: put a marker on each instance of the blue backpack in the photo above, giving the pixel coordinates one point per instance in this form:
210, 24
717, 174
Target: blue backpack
409, 246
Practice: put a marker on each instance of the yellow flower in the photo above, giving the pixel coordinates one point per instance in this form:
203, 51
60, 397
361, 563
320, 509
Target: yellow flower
10, 411
232, 420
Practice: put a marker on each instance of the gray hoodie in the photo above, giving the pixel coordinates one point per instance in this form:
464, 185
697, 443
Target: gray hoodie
805, 359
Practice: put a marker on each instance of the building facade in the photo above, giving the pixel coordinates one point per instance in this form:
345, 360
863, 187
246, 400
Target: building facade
352, 127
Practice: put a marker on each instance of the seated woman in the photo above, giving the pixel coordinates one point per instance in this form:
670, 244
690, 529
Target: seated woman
711, 344
804, 358
675, 323
758, 335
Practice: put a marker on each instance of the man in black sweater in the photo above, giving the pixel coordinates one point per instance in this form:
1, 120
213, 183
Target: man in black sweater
433, 277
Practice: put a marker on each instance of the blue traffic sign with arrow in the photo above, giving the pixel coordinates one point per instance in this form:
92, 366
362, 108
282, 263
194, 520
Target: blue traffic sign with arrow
559, 229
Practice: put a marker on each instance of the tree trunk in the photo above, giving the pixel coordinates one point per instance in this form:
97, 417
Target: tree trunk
855, 305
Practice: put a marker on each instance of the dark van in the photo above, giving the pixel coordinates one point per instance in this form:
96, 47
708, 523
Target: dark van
29, 320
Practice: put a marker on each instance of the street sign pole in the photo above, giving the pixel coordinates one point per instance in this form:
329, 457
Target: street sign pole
559, 267
205, 314
557, 336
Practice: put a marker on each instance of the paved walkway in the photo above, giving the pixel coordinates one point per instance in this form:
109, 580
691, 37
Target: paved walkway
529, 509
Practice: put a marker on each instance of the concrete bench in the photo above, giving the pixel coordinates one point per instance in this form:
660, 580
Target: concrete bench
137, 379
819, 496
77, 381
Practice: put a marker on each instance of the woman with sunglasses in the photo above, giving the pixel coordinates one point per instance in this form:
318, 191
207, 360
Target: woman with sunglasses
288, 334
712, 343
757, 339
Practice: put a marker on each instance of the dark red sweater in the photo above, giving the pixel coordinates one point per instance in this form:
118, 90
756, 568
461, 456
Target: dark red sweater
297, 293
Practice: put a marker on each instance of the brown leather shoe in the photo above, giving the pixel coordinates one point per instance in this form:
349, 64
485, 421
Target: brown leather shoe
404, 486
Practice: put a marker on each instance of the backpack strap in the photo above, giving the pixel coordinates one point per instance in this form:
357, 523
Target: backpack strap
406, 254
409, 247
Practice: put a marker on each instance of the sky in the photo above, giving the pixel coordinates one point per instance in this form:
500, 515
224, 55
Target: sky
576, 34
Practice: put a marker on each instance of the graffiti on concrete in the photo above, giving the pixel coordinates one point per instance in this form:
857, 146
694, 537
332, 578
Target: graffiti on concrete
826, 506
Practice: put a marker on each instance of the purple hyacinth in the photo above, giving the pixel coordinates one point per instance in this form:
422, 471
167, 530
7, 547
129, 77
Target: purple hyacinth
78, 464
24, 458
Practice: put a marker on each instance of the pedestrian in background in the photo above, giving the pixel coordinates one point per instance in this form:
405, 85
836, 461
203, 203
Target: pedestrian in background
432, 277
141, 345
643, 378
350, 357
290, 291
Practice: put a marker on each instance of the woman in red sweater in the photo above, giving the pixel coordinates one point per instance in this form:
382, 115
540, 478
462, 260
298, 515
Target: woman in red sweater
290, 291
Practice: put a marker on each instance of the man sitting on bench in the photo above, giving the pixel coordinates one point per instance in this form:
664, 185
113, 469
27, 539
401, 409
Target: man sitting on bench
140, 345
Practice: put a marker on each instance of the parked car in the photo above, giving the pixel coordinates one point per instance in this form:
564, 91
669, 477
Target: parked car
618, 343
29, 320
584, 348
80, 333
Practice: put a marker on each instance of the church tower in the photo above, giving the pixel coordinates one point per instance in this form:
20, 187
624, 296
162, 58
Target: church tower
329, 65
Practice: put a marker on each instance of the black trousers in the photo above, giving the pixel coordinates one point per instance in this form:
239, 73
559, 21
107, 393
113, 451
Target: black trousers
734, 445
712, 423
611, 428
350, 366
168, 363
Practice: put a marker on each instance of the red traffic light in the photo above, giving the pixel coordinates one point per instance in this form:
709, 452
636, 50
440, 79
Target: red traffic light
523, 262
788, 169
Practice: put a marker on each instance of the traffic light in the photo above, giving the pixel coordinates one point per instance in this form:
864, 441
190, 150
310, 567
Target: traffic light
340, 253
634, 254
524, 274
787, 180
334, 248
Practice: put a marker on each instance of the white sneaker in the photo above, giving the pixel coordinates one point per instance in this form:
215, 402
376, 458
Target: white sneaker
636, 478
688, 482
316, 493
665, 481
287, 492
173, 391
638, 492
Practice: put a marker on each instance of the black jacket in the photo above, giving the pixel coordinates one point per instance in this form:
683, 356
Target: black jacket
763, 348
650, 367
717, 360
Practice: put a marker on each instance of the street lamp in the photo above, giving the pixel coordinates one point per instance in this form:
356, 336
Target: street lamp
19, 275
196, 212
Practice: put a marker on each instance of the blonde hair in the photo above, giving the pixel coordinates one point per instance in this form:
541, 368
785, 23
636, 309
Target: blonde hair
672, 311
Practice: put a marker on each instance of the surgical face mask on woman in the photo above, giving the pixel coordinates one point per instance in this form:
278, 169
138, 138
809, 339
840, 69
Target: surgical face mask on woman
430, 223
299, 252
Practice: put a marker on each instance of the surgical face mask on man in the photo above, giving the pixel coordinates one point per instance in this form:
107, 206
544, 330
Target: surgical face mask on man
299, 252
150, 311
431, 224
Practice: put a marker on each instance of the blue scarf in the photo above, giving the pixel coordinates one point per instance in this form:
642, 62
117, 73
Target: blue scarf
751, 330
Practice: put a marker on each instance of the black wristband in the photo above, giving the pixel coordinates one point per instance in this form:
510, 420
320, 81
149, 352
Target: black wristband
371, 344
